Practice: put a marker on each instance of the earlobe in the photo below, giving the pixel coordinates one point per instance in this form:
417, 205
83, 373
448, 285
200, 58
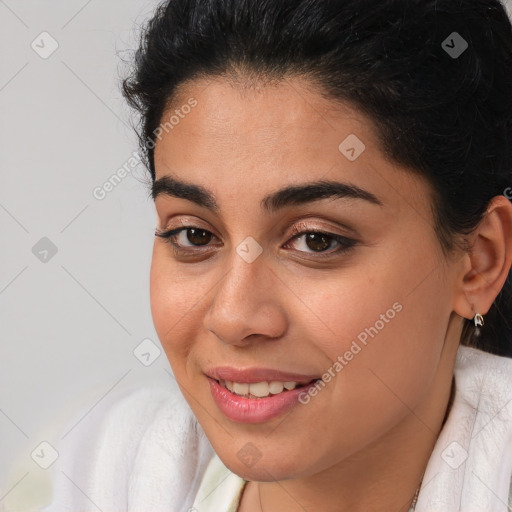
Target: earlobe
487, 262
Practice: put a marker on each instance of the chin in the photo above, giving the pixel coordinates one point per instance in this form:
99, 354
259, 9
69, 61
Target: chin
279, 467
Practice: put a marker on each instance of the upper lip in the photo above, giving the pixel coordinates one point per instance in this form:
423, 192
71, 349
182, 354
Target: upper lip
250, 375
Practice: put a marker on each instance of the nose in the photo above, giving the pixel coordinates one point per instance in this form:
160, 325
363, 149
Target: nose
247, 304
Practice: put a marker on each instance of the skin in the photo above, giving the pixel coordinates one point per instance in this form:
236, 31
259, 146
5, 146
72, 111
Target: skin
362, 444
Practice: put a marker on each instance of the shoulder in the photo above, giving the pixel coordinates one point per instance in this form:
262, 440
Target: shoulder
107, 453
119, 421
484, 370
471, 356
474, 442
483, 382
104, 447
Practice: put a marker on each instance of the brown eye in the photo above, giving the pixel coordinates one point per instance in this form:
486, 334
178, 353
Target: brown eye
318, 242
198, 236
181, 238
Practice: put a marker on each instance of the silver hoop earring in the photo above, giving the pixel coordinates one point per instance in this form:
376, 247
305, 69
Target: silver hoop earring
479, 320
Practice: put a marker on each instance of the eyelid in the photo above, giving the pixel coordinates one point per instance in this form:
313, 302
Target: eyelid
180, 221
184, 222
302, 227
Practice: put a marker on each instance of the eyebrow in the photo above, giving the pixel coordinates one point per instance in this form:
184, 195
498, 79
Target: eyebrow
287, 196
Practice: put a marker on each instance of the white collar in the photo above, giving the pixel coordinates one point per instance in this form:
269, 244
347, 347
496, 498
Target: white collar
471, 465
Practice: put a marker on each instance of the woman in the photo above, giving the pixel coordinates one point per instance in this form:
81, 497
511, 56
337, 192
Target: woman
331, 269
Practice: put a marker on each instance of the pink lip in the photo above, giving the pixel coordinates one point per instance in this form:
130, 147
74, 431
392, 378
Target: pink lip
257, 375
254, 410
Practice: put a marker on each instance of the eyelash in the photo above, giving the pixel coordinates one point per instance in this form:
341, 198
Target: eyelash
346, 244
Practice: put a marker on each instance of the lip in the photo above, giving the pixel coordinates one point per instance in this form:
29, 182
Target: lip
254, 410
252, 375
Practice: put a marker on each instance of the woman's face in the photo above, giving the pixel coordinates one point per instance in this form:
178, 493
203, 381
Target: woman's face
372, 309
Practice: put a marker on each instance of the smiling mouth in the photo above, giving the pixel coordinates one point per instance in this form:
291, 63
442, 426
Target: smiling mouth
262, 389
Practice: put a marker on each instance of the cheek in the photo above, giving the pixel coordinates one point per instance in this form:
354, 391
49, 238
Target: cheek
404, 360
175, 306
385, 325
356, 305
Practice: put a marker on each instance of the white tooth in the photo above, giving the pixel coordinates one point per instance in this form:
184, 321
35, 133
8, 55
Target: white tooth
259, 389
229, 385
275, 387
240, 388
290, 385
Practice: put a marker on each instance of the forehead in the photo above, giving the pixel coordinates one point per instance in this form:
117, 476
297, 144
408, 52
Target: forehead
263, 115
247, 141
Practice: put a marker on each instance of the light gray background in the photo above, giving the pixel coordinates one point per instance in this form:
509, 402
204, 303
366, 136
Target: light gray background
70, 324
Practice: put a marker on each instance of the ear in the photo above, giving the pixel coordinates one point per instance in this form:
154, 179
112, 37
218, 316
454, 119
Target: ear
485, 267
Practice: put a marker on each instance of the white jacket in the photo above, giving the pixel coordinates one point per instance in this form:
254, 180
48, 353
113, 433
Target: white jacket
147, 453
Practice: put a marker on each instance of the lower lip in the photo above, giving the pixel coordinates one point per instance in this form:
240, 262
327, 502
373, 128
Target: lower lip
254, 410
